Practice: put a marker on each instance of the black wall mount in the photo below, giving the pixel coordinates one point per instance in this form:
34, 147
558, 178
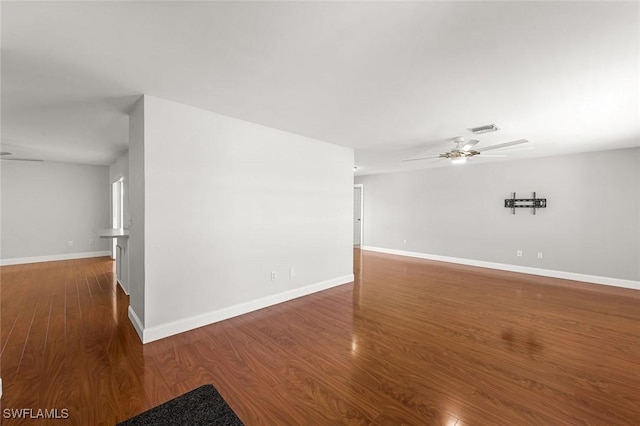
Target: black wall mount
534, 203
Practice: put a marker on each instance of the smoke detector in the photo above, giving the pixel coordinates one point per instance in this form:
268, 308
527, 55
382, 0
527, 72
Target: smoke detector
484, 129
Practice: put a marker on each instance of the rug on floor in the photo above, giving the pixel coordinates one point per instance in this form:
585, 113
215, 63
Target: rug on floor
200, 407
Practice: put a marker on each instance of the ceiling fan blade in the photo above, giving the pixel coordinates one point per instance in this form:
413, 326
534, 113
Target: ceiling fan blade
21, 159
467, 146
488, 156
503, 145
516, 149
5, 153
421, 158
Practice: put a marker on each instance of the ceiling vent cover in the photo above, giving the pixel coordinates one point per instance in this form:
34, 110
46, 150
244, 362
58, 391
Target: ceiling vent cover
485, 129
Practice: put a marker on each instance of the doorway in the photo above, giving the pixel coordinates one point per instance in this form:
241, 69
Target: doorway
117, 211
358, 203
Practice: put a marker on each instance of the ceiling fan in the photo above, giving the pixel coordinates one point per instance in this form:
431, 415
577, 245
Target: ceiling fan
4, 155
464, 151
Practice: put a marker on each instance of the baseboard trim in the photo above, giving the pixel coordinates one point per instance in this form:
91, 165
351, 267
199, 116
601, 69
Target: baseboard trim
614, 282
169, 329
54, 257
137, 324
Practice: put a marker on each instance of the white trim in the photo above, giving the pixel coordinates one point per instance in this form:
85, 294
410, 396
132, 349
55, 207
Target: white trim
361, 186
615, 282
137, 324
169, 329
54, 257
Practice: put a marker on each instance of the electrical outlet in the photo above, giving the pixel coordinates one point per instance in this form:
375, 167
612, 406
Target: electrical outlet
70, 243
91, 241
540, 255
519, 253
292, 272
273, 275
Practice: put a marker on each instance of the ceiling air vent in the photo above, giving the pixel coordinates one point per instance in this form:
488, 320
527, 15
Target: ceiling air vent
484, 129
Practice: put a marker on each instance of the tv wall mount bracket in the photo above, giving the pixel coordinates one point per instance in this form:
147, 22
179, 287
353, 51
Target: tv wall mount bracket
534, 203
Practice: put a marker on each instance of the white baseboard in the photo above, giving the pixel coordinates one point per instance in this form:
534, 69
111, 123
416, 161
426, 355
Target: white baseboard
54, 257
137, 324
169, 329
615, 282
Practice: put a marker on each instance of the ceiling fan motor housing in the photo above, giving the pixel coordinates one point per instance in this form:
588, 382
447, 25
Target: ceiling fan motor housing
458, 153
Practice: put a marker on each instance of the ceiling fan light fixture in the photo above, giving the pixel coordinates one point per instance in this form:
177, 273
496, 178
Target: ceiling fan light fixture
459, 155
484, 129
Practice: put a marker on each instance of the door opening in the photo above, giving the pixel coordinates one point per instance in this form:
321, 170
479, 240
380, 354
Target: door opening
117, 211
358, 203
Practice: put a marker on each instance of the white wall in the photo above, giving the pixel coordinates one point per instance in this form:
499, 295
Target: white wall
45, 205
226, 203
137, 211
590, 227
120, 170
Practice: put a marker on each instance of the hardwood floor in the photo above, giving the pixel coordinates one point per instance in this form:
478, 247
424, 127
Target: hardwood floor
410, 342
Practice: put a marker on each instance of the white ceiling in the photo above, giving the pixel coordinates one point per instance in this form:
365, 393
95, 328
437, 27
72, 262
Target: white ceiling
384, 78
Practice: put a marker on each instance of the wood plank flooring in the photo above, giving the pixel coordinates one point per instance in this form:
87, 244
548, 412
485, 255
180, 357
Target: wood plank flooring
409, 342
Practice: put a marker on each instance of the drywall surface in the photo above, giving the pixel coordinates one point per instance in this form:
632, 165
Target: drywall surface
45, 205
136, 211
228, 202
120, 170
590, 226
637, 179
